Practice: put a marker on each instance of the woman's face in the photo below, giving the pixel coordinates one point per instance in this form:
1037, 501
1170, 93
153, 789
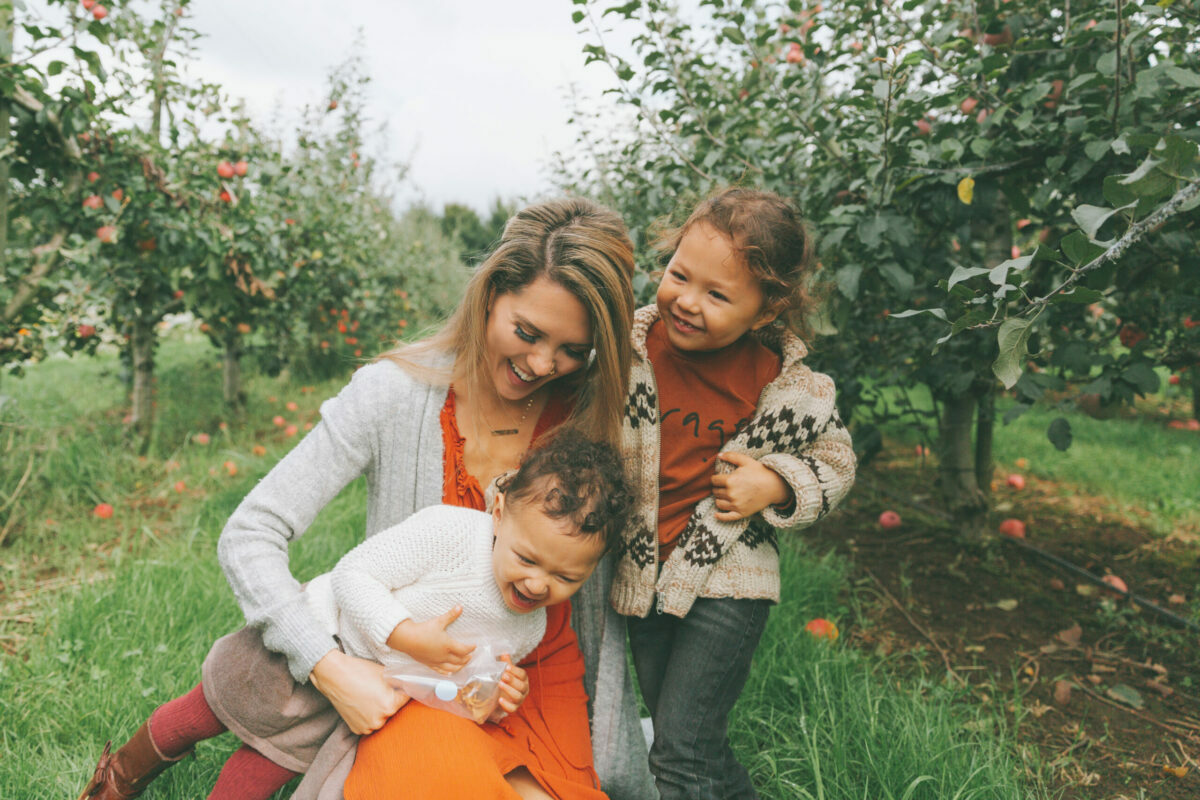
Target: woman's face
535, 335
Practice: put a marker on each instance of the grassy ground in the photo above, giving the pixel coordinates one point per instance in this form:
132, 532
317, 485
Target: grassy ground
102, 620
1132, 463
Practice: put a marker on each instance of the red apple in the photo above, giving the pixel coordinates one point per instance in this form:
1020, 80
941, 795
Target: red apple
230, 468
1173, 380
118, 195
822, 628
289, 221
92, 201
243, 328
278, 421
258, 450
85, 331
923, 127
103, 511
889, 520
1131, 335
795, 55
1177, 424
1192, 424
1116, 583
202, 438
225, 169
968, 105
178, 294
180, 487
226, 197
982, 116
93, 177
333, 104
99, 12
291, 405
1016, 481
106, 234
1015, 252
1190, 323
1024, 223
290, 430
241, 168
1013, 527
87, 4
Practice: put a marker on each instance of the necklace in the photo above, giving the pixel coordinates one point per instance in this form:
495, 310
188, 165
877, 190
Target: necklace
510, 431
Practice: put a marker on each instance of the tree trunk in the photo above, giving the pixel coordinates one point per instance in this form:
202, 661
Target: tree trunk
141, 350
956, 458
985, 428
231, 375
6, 44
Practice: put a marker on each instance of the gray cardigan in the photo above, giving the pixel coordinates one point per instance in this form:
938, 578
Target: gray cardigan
385, 425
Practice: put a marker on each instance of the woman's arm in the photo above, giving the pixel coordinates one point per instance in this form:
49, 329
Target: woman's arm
253, 548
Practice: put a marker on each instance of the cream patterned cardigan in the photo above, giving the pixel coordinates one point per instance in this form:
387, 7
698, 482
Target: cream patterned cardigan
795, 430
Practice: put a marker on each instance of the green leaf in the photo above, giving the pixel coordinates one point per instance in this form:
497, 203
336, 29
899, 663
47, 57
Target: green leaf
734, 35
1013, 338
1142, 376
1080, 294
847, 280
1124, 693
1091, 218
999, 273
1184, 77
1096, 150
577, 16
912, 312
962, 273
897, 276
1059, 433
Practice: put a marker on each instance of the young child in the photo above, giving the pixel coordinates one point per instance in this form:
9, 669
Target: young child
740, 438
442, 576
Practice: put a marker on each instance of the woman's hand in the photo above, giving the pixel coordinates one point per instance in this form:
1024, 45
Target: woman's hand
357, 690
514, 688
428, 643
747, 490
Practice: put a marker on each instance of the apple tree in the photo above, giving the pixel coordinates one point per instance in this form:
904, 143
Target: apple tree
922, 141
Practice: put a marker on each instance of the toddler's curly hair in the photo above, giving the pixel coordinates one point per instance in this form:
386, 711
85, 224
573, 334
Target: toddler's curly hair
576, 478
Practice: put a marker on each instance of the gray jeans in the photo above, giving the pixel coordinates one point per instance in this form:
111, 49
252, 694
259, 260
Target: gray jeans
691, 671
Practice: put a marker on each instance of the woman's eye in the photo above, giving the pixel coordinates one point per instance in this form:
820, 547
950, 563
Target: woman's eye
525, 336
577, 355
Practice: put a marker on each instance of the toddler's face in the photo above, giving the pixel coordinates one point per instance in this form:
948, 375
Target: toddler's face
707, 297
538, 561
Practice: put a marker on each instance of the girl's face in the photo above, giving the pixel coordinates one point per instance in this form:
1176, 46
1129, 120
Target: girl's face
707, 298
535, 335
538, 561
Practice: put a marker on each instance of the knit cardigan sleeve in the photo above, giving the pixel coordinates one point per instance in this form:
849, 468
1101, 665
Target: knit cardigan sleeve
253, 548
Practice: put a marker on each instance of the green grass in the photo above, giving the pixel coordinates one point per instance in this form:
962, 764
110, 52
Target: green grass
104, 620
1136, 463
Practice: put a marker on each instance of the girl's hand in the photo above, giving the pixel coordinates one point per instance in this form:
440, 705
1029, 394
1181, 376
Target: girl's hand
747, 490
428, 643
357, 690
514, 688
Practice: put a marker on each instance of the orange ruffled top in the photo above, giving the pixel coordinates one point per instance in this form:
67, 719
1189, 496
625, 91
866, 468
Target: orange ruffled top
426, 753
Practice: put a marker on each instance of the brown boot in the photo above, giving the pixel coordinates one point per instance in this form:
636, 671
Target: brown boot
127, 772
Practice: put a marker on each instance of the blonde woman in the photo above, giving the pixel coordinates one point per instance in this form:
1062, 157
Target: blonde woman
540, 340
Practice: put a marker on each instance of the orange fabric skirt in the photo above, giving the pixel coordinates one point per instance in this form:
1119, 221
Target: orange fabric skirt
427, 754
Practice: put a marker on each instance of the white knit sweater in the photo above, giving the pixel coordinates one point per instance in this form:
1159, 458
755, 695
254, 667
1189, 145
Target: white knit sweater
436, 559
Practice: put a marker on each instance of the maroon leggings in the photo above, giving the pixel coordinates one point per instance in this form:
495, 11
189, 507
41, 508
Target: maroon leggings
178, 724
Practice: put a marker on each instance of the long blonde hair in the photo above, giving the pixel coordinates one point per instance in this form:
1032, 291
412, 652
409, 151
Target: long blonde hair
584, 248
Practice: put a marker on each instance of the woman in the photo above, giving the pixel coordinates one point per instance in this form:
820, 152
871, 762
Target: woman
540, 339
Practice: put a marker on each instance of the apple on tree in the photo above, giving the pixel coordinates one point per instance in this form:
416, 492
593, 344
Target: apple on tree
225, 169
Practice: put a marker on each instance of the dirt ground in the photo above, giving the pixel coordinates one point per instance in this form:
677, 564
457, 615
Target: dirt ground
1105, 696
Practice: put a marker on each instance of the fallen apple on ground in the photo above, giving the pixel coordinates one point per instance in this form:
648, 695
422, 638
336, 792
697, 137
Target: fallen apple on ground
889, 520
822, 628
1014, 528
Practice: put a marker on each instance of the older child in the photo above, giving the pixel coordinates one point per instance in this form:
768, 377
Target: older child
740, 438
444, 574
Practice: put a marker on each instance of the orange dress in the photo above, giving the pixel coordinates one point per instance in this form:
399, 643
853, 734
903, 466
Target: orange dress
427, 754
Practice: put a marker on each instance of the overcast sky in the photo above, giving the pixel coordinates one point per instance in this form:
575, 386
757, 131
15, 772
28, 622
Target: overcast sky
473, 90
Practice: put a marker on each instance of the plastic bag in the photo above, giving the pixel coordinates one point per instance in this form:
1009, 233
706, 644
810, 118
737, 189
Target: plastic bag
473, 692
